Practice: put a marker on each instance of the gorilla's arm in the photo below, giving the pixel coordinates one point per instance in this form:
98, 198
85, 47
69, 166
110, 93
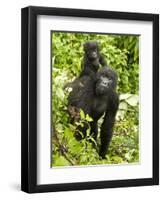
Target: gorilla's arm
107, 125
102, 60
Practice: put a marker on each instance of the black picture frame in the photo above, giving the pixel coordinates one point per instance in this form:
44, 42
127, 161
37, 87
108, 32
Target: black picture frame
29, 99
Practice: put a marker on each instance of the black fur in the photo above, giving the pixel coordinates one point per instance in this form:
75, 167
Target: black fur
92, 59
96, 97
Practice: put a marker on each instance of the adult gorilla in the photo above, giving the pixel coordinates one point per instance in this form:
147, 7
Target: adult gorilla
96, 97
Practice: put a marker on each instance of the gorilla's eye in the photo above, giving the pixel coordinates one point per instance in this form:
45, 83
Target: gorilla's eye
110, 80
94, 53
104, 81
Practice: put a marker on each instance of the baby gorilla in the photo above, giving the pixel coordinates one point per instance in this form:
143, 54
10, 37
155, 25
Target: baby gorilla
96, 97
92, 59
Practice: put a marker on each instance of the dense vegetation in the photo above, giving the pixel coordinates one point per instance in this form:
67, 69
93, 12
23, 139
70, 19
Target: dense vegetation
122, 54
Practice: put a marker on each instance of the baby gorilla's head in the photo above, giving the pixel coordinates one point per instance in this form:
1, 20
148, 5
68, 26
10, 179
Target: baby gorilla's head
106, 80
91, 50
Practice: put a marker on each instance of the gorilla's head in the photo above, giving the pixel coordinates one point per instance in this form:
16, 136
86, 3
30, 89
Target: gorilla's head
106, 80
91, 50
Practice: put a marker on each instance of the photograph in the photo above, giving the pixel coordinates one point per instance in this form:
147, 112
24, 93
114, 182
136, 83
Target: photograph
94, 99
90, 99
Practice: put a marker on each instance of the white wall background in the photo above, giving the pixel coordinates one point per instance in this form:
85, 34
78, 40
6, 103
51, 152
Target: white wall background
10, 79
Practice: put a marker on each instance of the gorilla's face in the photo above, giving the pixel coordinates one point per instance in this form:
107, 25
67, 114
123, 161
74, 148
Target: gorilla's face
91, 50
106, 80
102, 85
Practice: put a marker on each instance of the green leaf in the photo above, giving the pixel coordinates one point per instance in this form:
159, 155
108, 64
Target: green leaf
60, 161
68, 133
117, 159
133, 100
123, 106
82, 114
88, 132
124, 96
88, 118
93, 140
75, 148
120, 114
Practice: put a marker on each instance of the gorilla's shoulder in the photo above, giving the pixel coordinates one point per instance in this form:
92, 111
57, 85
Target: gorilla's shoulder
82, 82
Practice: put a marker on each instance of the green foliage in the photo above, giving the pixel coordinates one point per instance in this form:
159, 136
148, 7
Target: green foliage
122, 53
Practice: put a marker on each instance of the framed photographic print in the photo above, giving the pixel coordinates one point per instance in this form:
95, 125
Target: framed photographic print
90, 99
